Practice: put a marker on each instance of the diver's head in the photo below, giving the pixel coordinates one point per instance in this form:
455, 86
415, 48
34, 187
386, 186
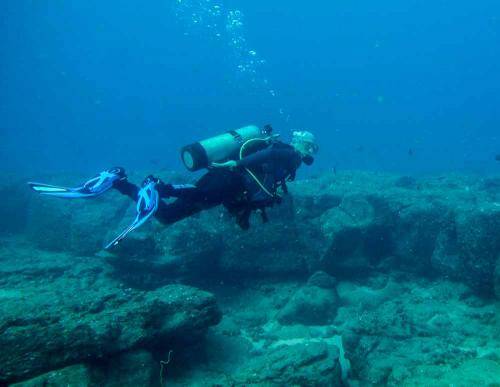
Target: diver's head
304, 143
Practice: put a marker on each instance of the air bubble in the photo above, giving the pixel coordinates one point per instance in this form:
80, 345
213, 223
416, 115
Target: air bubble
209, 18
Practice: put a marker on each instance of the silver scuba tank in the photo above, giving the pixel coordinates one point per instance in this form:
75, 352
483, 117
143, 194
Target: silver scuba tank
220, 148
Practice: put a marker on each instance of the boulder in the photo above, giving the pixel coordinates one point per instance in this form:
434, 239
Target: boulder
472, 372
322, 280
78, 375
479, 243
359, 235
156, 255
303, 364
364, 297
310, 305
416, 231
57, 310
81, 227
446, 258
276, 248
129, 369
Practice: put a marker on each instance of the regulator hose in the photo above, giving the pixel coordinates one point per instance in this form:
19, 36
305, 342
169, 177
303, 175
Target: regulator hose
259, 183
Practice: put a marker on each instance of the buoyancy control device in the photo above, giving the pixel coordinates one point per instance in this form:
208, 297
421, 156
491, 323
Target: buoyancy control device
221, 148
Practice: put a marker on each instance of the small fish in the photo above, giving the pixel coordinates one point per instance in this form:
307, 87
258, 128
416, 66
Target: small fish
497, 157
411, 152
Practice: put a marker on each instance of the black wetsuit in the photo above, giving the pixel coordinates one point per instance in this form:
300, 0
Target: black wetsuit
235, 189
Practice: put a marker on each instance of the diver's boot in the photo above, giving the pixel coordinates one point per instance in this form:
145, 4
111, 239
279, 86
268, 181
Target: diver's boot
91, 188
148, 200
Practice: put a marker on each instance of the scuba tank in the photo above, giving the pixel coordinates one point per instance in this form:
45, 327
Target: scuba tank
223, 147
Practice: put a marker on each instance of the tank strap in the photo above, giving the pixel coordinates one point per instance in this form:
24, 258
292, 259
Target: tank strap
236, 136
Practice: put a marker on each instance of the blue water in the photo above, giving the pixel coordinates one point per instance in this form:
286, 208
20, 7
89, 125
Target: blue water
406, 86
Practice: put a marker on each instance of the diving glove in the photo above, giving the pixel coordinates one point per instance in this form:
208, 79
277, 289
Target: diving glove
147, 203
91, 188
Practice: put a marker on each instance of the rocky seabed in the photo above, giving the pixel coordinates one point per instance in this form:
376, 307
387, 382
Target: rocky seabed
358, 279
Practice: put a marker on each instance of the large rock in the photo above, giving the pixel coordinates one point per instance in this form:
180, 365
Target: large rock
391, 331
129, 369
78, 375
416, 232
473, 372
366, 298
446, 258
310, 305
276, 248
81, 227
304, 364
322, 280
57, 310
479, 242
359, 231
347, 224
156, 255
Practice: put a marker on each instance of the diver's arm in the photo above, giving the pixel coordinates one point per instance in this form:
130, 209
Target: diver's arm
249, 161
259, 158
231, 164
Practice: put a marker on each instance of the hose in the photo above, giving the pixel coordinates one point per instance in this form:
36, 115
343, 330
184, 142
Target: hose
259, 183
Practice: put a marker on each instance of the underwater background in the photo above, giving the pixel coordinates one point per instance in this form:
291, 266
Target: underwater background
103, 83
381, 267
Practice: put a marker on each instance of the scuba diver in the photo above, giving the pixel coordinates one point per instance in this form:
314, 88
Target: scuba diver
246, 169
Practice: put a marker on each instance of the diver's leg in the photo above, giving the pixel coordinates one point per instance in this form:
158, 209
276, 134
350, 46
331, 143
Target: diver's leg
165, 191
127, 188
169, 213
213, 188
176, 190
